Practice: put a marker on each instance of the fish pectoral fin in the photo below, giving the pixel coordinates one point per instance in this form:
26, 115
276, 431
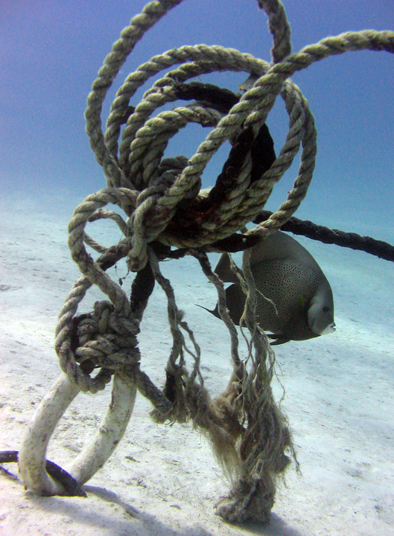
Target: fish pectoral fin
277, 338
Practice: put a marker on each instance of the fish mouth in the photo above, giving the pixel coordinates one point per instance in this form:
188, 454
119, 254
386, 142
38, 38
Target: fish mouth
329, 329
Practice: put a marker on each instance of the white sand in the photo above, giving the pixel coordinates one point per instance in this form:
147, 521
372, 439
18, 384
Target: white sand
163, 480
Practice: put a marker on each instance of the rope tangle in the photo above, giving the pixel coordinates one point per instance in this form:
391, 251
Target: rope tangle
166, 208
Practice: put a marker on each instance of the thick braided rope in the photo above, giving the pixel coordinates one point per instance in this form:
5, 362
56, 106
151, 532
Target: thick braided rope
349, 41
152, 101
195, 60
261, 98
129, 37
79, 254
152, 198
256, 103
253, 109
119, 312
279, 27
151, 13
145, 135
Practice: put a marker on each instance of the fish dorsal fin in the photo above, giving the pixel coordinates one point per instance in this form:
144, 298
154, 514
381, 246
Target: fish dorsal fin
223, 270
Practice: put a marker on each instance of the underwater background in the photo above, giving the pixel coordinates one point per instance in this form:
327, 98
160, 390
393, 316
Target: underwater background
339, 388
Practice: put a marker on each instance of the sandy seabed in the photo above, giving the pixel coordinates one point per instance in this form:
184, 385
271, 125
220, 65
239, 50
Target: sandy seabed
164, 480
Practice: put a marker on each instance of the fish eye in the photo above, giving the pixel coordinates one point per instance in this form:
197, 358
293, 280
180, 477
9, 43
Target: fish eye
325, 309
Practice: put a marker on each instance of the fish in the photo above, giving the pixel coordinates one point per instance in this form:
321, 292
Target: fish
294, 298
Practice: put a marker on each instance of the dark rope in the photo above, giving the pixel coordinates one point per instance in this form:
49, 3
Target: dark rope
188, 218
380, 249
70, 485
221, 99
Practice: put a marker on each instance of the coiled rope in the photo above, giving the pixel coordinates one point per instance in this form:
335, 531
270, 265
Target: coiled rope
166, 208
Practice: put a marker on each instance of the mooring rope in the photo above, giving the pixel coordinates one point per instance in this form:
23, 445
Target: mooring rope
379, 248
166, 208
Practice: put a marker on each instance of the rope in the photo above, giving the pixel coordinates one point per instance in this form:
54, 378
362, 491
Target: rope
166, 208
142, 143
380, 249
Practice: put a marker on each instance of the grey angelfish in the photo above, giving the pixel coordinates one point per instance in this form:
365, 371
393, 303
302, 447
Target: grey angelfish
294, 298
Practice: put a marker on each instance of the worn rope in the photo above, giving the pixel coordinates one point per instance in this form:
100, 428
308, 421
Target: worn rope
137, 152
379, 248
166, 208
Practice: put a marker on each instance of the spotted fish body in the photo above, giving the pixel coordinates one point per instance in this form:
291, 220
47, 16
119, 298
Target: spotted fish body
294, 298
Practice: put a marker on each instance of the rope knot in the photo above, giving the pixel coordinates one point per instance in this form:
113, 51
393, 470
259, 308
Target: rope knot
106, 339
154, 210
